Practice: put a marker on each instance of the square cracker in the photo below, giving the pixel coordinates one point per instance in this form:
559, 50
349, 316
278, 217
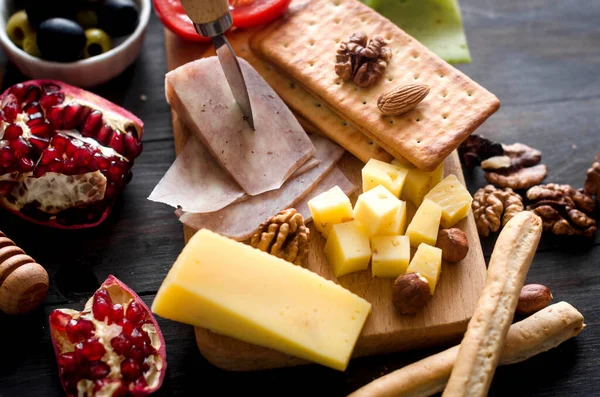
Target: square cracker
304, 45
309, 108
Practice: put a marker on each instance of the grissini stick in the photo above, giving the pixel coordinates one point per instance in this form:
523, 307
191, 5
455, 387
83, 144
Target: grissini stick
536, 334
212, 18
480, 348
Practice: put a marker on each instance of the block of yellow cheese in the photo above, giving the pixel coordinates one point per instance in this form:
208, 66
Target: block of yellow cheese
428, 262
418, 183
347, 248
390, 176
399, 226
329, 208
454, 199
391, 255
424, 226
236, 290
376, 210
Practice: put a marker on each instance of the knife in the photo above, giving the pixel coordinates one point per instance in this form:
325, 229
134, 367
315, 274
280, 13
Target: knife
212, 18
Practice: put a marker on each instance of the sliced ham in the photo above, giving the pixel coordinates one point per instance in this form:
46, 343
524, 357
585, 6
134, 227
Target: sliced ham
258, 160
240, 220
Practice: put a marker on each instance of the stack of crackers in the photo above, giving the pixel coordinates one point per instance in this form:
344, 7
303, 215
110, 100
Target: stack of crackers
296, 55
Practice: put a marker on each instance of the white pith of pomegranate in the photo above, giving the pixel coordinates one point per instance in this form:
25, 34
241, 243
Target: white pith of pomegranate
49, 130
113, 347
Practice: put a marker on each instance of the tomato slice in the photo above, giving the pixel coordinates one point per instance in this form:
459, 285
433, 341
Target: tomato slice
248, 13
173, 16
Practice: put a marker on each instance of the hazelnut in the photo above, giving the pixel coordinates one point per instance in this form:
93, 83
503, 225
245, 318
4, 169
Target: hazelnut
533, 298
410, 293
453, 243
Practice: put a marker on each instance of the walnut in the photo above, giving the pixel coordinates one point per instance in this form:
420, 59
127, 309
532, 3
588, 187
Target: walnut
362, 61
284, 236
494, 207
518, 168
564, 210
476, 149
592, 183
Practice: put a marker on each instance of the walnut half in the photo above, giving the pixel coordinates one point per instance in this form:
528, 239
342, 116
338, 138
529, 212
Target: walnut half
592, 183
285, 236
494, 207
362, 61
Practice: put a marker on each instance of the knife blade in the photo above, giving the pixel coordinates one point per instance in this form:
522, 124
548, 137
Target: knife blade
212, 18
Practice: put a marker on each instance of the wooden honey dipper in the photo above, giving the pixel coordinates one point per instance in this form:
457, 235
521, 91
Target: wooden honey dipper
23, 282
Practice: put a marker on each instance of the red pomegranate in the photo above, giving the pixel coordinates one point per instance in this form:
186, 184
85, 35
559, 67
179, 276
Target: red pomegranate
113, 347
65, 153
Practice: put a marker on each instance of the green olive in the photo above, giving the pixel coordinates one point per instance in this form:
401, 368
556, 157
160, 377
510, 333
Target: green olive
30, 45
98, 42
87, 18
18, 27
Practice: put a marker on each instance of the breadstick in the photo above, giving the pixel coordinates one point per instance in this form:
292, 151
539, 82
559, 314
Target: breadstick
481, 346
536, 334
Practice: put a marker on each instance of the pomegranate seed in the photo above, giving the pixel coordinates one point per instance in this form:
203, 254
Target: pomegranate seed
116, 142
60, 142
35, 118
111, 190
92, 123
139, 337
130, 369
49, 155
21, 147
73, 332
11, 111
18, 90
101, 162
132, 146
90, 350
49, 100
135, 312
140, 384
56, 167
82, 156
41, 129
127, 327
72, 147
5, 188
39, 144
136, 354
86, 328
104, 134
70, 116
7, 158
121, 344
50, 87
55, 117
148, 349
102, 305
13, 131
32, 94
32, 108
83, 115
26, 165
59, 320
114, 173
70, 168
68, 362
40, 171
116, 313
104, 294
98, 370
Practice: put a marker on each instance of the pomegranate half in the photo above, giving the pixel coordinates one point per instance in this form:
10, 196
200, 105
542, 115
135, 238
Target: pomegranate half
65, 153
113, 347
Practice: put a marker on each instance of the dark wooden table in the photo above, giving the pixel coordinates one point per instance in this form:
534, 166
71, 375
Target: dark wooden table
542, 59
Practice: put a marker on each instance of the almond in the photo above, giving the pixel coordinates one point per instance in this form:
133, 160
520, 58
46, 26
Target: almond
402, 99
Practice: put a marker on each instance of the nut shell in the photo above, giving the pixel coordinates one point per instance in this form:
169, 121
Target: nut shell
410, 293
453, 243
533, 298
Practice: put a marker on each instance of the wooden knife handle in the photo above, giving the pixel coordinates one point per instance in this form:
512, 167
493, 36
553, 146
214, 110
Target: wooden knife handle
204, 11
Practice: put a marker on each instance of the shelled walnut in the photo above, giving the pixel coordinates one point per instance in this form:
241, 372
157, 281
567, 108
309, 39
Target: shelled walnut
564, 210
494, 207
476, 149
361, 60
592, 183
284, 236
518, 168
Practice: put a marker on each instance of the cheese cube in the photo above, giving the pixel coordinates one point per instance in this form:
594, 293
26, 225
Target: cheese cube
391, 255
376, 210
390, 176
418, 183
347, 248
238, 291
454, 199
329, 208
425, 224
428, 262
399, 227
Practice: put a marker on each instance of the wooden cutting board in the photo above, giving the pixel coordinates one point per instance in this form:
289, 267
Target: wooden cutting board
442, 321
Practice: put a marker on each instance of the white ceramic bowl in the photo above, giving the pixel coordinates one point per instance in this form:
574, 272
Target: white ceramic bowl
84, 73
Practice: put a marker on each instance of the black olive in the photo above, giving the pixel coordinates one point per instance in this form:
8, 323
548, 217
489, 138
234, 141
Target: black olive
40, 10
118, 17
61, 40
